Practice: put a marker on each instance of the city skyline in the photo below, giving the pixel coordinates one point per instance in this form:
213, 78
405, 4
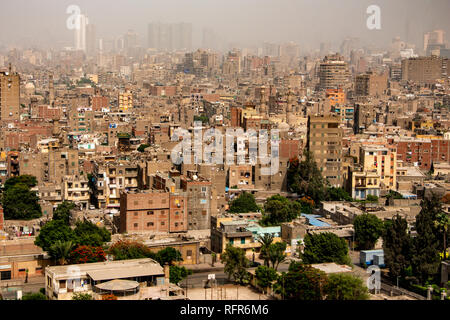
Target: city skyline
304, 22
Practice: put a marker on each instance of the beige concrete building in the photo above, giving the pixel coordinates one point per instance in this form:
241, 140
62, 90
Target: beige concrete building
325, 143
9, 96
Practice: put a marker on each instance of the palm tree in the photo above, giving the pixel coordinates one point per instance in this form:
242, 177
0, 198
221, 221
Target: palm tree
61, 250
442, 223
265, 240
276, 255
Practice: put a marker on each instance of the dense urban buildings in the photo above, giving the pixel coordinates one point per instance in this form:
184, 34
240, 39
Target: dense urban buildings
173, 160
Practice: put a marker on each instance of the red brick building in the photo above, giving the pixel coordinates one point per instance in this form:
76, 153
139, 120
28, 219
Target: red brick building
99, 102
423, 151
153, 211
415, 151
289, 148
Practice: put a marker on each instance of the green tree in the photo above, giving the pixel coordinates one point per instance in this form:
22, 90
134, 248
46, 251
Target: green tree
265, 276
142, 147
243, 204
345, 287
305, 178
53, 231
368, 229
88, 234
82, 296
60, 251
168, 255
62, 212
278, 209
371, 198
397, 246
425, 258
28, 180
34, 296
235, 263
325, 247
125, 250
337, 194
265, 240
276, 254
302, 282
442, 222
203, 118
20, 203
178, 273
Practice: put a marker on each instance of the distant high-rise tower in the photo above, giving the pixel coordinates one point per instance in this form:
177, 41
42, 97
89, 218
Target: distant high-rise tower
209, 39
433, 40
80, 33
164, 36
91, 40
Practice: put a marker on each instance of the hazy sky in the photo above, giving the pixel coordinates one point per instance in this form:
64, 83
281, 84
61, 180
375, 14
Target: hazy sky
307, 22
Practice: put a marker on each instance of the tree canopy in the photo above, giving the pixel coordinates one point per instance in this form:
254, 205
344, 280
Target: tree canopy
278, 209
305, 178
345, 287
397, 246
89, 234
368, 229
337, 194
426, 245
325, 247
178, 273
62, 212
168, 255
18, 201
53, 231
124, 250
243, 204
302, 282
235, 263
265, 276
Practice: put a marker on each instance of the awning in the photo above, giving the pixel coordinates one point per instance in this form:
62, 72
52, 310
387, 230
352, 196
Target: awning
122, 273
118, 285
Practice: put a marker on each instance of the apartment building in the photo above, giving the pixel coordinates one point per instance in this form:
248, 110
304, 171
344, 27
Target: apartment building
9, 96
371, 84
333, 72
153, 211
424, 70
198, 190
325, 143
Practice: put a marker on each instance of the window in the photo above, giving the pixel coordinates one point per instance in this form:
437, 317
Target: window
149, 224
135, 225
231, 241
62, 284
150, 212
176, 224
242, 240
189, 253
162, 223
5, 275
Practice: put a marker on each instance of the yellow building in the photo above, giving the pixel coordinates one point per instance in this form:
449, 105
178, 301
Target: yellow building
125, 101
383, 161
